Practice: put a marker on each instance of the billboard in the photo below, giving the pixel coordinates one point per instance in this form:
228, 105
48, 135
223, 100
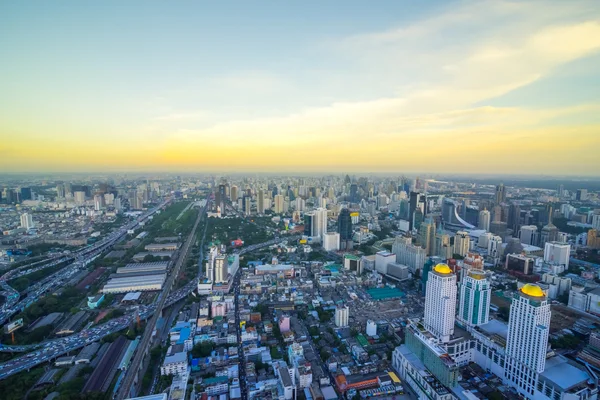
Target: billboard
13, 326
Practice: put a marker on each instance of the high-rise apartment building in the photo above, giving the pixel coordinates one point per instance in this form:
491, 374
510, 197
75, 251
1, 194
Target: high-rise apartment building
79, 197
427, 237
557, 253
409, 254
221, 266
279, 204
260, 202
440, 302
527, 341
234, 193
462, 242
500, 193
475, 297
528, 234
342, 314
26, 221
321, 222
484, 219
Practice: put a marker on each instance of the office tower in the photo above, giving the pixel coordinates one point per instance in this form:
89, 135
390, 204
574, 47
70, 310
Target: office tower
440, 302
519, 263
497, 213
68, 190
342, 313
60, 191
26, 194
582, 195
221, 198
331, 241
527, 341
221, 269
427, 237
117, 204
330, 194
26, 221
561, 190
514, 217
354, 197
234, 193
79, 197
549, 234
98, 202
484, 220
528, 234
109, 199
413, 201
247, 205
344, 227
409, 254
461, 243
321, 222
310, 225
279, 204
475, 297
443, 248
556, 253
300, 204
500, 194
260, 203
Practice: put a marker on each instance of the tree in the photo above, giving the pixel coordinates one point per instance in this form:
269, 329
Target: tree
202, 349
324, 355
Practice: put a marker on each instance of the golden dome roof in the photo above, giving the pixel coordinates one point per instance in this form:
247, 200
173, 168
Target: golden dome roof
532, 290
442, 269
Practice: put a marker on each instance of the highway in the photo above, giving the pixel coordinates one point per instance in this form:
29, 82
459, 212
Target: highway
52, 349
80, 260
132, 372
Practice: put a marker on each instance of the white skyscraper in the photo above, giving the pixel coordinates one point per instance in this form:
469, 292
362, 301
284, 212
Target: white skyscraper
321, 222
26, 221
221, 269
342, 314
440, 302
461, 243
300, 204
484, 219
279, 204
528, 234
79, 197
557, 253
475, 296
527, 341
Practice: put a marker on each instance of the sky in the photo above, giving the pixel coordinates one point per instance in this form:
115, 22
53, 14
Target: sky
301, 86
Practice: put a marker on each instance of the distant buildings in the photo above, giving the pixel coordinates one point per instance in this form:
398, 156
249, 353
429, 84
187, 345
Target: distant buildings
484, 220
408, 254
26, 221
461, 243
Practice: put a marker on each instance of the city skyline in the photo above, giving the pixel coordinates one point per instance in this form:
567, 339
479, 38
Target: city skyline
454, 87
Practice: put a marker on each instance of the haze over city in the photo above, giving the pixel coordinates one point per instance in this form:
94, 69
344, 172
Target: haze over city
285, 200
489, 86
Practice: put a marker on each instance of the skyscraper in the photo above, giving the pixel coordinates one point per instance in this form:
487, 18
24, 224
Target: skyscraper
440, 302
514, 217
500, 194
321, 221
26, 193
342, 313
461, 243
26, 221
260, 203
409, 254
475, 296
309, 224
221, 269
443, 248
527, 341
344, 226
484, 219
279, 204
60, 191
234, 193
427, 237
247, 202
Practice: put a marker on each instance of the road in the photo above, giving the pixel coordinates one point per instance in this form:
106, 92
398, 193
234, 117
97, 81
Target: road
80, 259
132, 372
50, 350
